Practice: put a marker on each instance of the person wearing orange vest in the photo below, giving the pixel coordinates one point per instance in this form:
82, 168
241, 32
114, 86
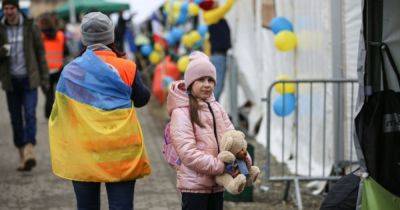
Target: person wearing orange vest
56, 51
95, 135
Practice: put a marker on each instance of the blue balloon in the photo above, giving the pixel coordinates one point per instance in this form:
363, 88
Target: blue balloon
185, 7
278, 24
170, 39
284, 104
182, 18
198, 1
177, 33
202, 29
146, 50
167, 81
198, 44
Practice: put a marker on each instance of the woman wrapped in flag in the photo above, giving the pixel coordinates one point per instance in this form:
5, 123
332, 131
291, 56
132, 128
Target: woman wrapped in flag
95, 135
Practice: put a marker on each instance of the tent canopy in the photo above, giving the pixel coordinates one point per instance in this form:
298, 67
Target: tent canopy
89, 6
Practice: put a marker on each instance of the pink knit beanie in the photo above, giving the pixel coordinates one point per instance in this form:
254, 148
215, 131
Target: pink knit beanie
199, 66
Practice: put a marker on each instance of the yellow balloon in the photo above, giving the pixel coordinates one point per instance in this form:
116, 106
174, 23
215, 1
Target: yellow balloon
283, 88
183, 63
193, 9
177, 6
285, 41
187, 41
155, 57
207, 47
158, 47
214, 15
194, 36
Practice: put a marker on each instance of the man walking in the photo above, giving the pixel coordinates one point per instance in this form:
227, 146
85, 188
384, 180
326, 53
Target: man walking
22, 69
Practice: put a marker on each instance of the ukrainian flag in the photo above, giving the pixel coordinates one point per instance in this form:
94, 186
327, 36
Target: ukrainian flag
94, 133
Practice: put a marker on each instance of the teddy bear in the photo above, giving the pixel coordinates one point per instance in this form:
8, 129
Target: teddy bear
239, 171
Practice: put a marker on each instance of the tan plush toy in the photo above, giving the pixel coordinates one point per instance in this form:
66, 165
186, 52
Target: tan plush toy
239, 172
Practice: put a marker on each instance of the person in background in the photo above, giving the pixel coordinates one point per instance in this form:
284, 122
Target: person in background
220, 40
95, 135
23, 69
120, 30
56, 51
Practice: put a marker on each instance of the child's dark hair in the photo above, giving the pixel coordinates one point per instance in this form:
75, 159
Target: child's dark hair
112, 46
194, 107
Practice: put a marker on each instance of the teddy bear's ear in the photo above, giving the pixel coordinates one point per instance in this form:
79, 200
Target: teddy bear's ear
227, 144
242, 134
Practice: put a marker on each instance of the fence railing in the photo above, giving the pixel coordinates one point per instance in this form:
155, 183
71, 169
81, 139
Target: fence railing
314, 141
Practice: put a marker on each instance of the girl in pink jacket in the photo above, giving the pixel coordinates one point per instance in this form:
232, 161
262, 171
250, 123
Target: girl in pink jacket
197, 124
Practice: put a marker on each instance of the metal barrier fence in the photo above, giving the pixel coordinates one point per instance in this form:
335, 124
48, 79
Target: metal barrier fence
335, 95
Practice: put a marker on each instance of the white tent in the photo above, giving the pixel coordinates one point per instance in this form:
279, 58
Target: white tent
328, 36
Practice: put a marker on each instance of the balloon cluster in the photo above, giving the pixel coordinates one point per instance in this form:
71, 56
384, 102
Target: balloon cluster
179, 11
178, 39
285, 39
285, 103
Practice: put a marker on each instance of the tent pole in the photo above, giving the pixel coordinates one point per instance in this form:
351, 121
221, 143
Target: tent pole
72, 12
337, 69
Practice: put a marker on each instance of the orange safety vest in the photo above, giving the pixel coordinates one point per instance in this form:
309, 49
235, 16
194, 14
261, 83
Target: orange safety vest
126, 69
54, 49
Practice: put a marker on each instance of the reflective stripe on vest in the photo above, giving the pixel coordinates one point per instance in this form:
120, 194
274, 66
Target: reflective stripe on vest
54, 49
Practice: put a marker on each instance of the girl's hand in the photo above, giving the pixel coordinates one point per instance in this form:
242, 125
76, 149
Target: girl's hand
226, 157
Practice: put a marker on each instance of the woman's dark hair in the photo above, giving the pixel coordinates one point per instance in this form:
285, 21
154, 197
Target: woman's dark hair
194, 107
47, 26
112, 46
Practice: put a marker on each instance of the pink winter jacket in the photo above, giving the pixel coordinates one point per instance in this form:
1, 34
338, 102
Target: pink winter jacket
196, 147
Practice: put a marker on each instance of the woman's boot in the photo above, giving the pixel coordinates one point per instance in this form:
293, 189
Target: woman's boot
29, 155
21, 165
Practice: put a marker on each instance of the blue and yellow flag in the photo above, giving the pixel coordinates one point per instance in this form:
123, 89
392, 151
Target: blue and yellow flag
94, 133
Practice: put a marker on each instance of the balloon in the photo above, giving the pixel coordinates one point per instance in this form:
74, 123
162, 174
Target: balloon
146, 50
194, 36
181, 18
166, 82
198, 45
285, 41
186, 40
284, 88
158, 38
214, 15
198, 1
170, 39
193, 9
176, 6
202, 29
141, 40
177, 33
206, 4
284, 104
158, 47
278, 24
183, 63
185, 7
155, 57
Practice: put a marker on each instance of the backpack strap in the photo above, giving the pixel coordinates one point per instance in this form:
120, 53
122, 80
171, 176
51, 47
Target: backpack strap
214, 124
